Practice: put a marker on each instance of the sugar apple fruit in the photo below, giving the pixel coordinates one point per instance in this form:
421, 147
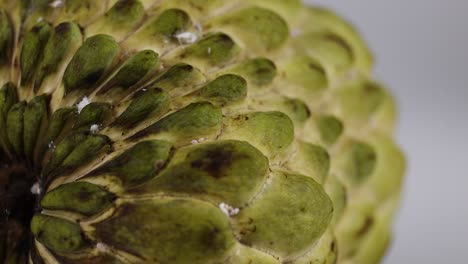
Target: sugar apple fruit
191, 131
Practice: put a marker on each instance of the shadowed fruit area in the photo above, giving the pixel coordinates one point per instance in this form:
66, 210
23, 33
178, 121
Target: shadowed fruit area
191, 132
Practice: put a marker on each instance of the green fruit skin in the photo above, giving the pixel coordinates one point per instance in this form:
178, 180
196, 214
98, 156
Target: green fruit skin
189, 131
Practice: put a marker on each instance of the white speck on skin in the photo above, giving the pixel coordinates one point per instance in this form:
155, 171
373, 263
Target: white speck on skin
82, 104
101, 247
296, 32
94, 128
36, 189
39, 19
186, 37
197, 141
199, 27
51, 145
144, 89
56, 3
209, 50
228, 210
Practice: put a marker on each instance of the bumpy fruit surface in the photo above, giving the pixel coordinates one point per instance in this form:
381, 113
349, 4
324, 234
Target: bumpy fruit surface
191, 131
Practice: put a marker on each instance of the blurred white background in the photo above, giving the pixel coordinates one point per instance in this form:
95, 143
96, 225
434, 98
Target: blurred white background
421, 49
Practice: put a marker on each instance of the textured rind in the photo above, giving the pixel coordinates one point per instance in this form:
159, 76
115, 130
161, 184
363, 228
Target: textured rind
190, 131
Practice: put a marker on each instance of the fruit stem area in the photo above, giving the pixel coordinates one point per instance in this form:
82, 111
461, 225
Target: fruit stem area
17, 206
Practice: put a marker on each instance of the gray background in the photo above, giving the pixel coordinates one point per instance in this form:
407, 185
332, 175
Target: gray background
421, 48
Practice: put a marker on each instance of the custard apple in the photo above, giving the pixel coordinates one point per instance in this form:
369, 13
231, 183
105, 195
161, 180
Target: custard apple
191, 132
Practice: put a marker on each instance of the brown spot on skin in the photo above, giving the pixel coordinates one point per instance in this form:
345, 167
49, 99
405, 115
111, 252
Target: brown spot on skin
333, 246
159, 164
368, 223
124, 211
342, 43
62, 28
123, 4
262, 71
345, 198
216, 161
317, 68
109, 233
223, 38
249, 229
370, 89
84, 195
48, 68
35, 29
209, 238
295, 107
